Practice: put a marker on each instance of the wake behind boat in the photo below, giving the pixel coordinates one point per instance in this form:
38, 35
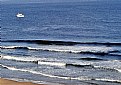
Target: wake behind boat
20, 15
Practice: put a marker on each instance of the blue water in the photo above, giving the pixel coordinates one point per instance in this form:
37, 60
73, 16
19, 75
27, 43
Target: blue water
73, 43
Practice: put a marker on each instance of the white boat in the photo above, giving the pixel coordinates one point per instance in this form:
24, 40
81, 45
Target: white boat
20, 15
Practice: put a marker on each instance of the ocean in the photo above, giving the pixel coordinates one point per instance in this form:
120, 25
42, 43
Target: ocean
63, 43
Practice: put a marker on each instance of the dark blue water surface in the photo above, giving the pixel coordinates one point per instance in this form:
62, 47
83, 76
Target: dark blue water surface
73, 43
91, 21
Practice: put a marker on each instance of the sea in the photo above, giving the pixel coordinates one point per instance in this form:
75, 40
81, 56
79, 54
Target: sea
72, 43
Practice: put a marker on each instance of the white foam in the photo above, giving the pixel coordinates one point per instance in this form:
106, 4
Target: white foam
73, 49
77, 49
47, 75
10, 68
82, 63
52, 63
62, 77
27, 59
8, 47
112, 64
110, 80
119, 70
13, 47
42, 61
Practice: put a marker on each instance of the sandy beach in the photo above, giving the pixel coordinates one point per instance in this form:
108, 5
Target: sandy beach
11, 82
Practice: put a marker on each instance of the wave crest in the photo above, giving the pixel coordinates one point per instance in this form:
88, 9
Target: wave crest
96, 50
84, 78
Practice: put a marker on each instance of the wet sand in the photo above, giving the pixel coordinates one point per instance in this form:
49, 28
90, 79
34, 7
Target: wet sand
11, 82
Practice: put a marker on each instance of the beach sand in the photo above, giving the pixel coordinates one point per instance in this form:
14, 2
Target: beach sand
11, 82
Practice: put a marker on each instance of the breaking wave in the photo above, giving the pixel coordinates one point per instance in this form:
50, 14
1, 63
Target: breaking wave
21, 59
84, 78
96, 50
47, 75
104, 65
41, 61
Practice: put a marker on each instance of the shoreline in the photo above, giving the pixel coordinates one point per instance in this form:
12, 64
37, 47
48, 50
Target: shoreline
12, 82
